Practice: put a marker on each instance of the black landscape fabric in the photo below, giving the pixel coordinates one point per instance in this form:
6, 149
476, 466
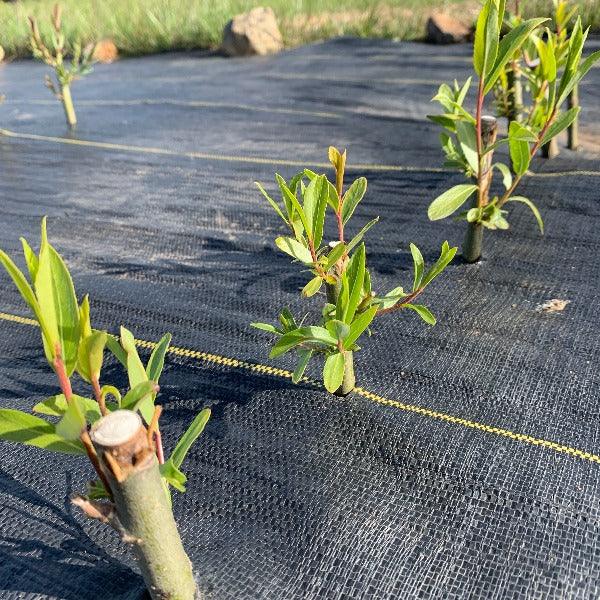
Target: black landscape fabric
293, 493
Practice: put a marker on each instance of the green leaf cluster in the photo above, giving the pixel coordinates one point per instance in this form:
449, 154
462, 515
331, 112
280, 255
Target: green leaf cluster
338, 266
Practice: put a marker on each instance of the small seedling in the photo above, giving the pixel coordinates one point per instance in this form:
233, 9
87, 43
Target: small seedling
119, 434
470, 139
526, 73
66, 71
340, 267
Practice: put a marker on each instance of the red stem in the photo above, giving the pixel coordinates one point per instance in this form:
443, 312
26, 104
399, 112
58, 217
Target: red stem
408, 300
480, 97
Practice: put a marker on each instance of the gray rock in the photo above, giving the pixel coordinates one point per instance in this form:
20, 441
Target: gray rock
254, 32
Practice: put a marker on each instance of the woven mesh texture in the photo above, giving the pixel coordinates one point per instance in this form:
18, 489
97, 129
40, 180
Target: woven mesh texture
295, 494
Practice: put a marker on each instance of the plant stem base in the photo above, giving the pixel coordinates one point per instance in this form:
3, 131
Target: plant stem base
67, 101
349, 381
473, 242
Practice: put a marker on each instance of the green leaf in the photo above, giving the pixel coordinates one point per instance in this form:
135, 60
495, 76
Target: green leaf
419, 266
519, 150
55, 406
267, 327
85, 325
392, 297
140, 397
295, 249
338, 329
73, 421
333, 372
532, 206
587, 64
450, 201
111, 390
354, 194
335, 255
304, 356
315, 203
313, 334
135, 369
189, 437
271, 202
446, 256
486, 38
312, 287
31, 259
358, 326
563, 121
156, 361
173, 476
113, 345
423, 312
58, 305
467, 138
18, 426
509, 45
356, 275
359, 236
506, 174
291, 201
90, 355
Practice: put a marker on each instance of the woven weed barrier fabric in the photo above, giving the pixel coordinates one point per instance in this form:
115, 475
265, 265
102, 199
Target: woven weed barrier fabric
467, 465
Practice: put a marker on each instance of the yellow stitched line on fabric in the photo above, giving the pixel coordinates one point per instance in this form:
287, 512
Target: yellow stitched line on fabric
419, 410
254, 159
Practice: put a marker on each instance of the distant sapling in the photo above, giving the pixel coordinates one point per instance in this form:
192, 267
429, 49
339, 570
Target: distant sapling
350, 302
119, 434
471, 139
66, 71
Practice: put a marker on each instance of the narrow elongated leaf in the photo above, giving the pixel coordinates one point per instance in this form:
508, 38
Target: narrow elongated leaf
271, 201
391, 298
266, 327
507, 48
31, 259
304, 356
290, 197
486, 38
467, 138
532, 206
58, 305
315, 201
173, 476
189, 437
506, 174
18, 426
295, 249
113, 345
318, 335
423, 312
358, 326
359, 236
519, 150
356, 275
450, 201
335, 255
561, 123
446, 256
135, 369
90, 355
156, 361
55, 406
354, 194
419, 266
333, 372
338, 329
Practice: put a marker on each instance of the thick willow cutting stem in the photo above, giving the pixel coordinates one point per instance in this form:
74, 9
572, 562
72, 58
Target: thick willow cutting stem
487, 130
67, 102
573, 130
349, 380
129, 461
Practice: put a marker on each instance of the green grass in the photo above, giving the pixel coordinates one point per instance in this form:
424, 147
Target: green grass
148, 26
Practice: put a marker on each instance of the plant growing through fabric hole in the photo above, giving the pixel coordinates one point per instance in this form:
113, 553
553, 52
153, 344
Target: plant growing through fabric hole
119, 434
526, 74
340, 267
469, 140
66, 71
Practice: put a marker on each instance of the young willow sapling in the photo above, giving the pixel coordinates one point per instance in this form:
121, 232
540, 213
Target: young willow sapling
470, 139
340, 267
66, 71
521, 91
119, 434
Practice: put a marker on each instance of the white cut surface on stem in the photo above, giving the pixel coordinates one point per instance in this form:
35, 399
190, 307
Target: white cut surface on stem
116, 428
